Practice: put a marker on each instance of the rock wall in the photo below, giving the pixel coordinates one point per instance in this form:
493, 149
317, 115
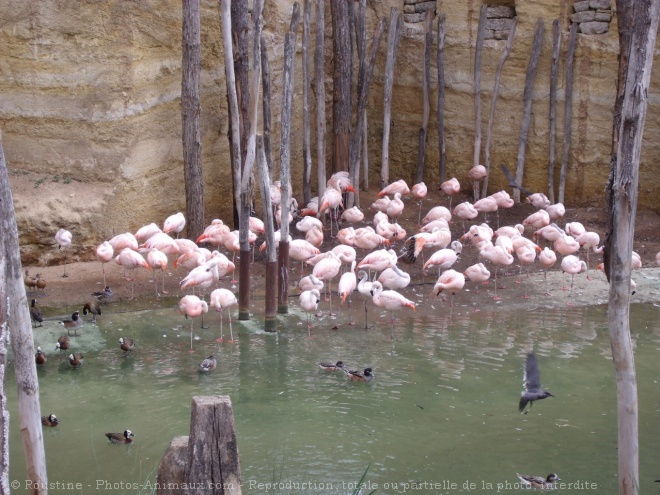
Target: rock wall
91, 125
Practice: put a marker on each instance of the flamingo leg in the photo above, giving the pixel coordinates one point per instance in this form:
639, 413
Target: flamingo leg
103, 268
309, 326
231, 331
365, 315
221, 325
191, 333
163, 291
496, 298
570, 296
64, 275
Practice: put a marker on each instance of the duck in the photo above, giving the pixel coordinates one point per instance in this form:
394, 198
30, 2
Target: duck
208, 364
41, 283
539, 482
35, 313
74, 322
104, 295
40, 357
121, 437
338, 366
62, 343
92, 307
532, 384
76, 360
30, 282
50, 420
126, 345
360, 376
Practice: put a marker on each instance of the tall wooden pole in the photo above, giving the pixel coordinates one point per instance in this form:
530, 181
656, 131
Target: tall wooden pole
442, 153
319, 68
426, 83
568, 111
477, 89
554, 72
307, 152
342, 87
266, 121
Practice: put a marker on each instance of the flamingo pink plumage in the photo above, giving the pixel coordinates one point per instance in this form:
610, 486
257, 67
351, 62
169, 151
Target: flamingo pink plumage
352, 215
465, 211
437, 213
537, 220
395, 207
398, 186
498, 256
419, 192
572, 264
147, 231
547, 258
394, 278
122, 241
174, 223
309, 301
389, 299
192, 306
131, 260
221, 299
157, 260
477, 273
104, 253
450, 188
538, 200
449, 280
326, 270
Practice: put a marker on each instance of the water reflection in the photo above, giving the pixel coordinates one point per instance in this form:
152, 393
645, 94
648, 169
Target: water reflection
443, 405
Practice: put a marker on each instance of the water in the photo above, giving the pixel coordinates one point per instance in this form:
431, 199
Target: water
442, 410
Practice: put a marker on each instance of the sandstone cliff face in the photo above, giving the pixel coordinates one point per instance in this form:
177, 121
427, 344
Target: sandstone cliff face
91, 125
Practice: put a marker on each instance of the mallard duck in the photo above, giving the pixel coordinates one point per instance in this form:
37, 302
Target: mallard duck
92, 307
74, 322
35, 313
104, 295
121, 437
539, 481
126, 345
40, 357
76, 360
208, 364
360, 376
50, 420
532, 383
338, 366
62, 343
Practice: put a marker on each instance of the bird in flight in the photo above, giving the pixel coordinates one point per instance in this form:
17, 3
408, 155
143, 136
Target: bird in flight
532, 384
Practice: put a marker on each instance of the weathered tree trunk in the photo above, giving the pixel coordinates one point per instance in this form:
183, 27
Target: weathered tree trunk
393, 38
319, 68
477, 90
360, 30
232, 106
554, 71
342, 92
568, 111
190, 110
527, 104
442, 153
14, 315
426, 82
270, 323
493, 102
636, 56
285, 159
307, 152
240, 27
266, 123
365, 152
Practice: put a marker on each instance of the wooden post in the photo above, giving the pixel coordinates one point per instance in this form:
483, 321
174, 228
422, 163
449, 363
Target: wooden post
477, 89
342, 87
426, 82
365, 153
271, 252
265, 78
319, 68
527, 104
442, 154
172, 468
393, 38
285, 158
213, 466
568, 111
360, 25
307, 152
14, 315
554, 71
491, 115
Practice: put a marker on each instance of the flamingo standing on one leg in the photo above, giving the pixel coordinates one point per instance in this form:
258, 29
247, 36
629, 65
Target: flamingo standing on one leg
191, 306
174, 223
449, 280
221, 299
547, 258
419, 192
477, 273
572, 264
497, 255
450, 188
389, 299
157, 260
63, 239
309, 301
346, 286
364, 288
131, 260
104, 253
326, 270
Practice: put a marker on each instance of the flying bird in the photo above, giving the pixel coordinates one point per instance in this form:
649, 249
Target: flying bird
532, 383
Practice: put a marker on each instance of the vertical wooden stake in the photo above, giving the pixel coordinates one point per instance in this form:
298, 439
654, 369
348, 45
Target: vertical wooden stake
307, 152
568, 111
426, 81
554, 71
442, 154
319, 68
477, 89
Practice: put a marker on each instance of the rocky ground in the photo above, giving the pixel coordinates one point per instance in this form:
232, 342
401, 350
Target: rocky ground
63, 295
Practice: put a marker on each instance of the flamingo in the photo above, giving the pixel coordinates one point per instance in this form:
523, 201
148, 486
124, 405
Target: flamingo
366, 238
395, 207
510, 231
157, 259
555, 211
538, 200
450, 188
221, 299
346, 236
574, 229
326, 270
378, 260
476, 174
340, 180
547, 258
314, 236
162, 242
437, 213
352, 215
214, 234
550, 232
449, 280
657, 258
635, 261
63, 239
465, 211
131, 260
537, 220
309, 301
589, 240
191, 260
331, 200
443, 259
435, 224
566, 244
310, 282
147, 231
497, 255
312, 208
347, 284
191, 306
440, 238
572, 264
419, 192
104, 253
174, 223
398, 186
394, 278
307, 223
381, 204
526, 256
486, 205
302, 250
503, 201
364, 288
389, 299
185, 245
345, 253
477, 273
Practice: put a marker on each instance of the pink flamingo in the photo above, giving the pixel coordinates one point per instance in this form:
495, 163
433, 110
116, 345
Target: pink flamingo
394, 278
443, 259
214, 234
312, 208
550, 232
435, 224
191, 260
566, 245
366, 238
574, 229
476, 174
104, 253
486, 205
510, 231
437, 213
589, 240
157, 260
331, 200
635, 261
314, 236
123, 241
465, 211
395, 207
191, 306
131, 260
221, 299
174, 223
364, 288
556, 211
378, 260
309, 301
498, 256
398, 186
347, 284
503, 201
307, 223
526, 256
477, 273
572, 264
326, 270
547, 258
186, 245
380, 204
538, 200
161, 241
419, 192
352, 215
310, 282
537, 220
302, 250
389, 299
63, 238
147, 231
450, 187
449, 280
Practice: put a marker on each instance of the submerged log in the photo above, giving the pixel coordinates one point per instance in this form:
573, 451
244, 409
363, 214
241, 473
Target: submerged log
172, 468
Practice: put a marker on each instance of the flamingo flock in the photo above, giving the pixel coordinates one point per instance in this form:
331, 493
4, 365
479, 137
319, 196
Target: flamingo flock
373, 256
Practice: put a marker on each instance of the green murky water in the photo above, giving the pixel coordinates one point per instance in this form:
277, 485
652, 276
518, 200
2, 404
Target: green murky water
442, 410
